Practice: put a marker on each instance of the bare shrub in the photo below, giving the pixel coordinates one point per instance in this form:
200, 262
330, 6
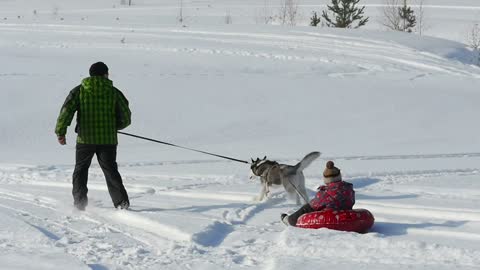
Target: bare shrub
181, 16
228, 17
421, 26
289, 12
265, 14
55, 11
398, 15
474, 37
390, 15
473, 41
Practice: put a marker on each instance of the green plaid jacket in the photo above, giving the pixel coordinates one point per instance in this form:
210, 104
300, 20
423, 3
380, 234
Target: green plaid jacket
101, 110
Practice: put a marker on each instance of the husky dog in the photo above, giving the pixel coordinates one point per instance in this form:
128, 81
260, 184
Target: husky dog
291, 177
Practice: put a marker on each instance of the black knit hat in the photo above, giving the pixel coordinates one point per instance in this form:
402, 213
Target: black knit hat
98, 69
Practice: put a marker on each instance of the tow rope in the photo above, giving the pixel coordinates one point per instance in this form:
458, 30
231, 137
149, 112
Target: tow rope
187, 148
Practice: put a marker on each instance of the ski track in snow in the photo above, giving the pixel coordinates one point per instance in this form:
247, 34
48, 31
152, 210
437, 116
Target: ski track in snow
142, 235
135, 239
145, 234
88, 245
363, 54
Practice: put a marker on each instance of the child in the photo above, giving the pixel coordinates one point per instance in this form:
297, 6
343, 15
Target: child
335, 194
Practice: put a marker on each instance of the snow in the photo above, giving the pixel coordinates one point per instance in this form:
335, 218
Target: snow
395, 111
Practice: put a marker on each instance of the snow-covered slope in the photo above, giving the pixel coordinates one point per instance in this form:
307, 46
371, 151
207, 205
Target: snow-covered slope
395, 111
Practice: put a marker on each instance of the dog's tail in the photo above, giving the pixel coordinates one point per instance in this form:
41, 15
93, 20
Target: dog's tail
307, 160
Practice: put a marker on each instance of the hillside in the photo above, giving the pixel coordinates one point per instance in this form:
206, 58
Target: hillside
395, 111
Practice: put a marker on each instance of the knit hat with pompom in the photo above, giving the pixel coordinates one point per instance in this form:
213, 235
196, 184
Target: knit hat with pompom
331, 172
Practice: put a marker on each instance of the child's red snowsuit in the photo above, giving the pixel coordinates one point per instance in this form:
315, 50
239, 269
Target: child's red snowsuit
337, 195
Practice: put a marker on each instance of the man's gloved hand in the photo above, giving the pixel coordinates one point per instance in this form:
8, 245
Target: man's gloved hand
61, 139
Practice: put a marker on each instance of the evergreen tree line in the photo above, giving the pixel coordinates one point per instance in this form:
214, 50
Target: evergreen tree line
347, 14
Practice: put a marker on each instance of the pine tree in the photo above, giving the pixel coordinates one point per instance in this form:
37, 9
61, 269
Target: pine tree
408, 17
314, 20
346, 13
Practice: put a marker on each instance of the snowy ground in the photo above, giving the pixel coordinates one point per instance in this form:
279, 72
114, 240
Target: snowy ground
396, 112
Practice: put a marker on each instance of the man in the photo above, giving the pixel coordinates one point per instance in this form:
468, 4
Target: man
101, 110
335, 194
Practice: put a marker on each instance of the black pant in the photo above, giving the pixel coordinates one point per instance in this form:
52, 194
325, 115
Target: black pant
107, 158
292, 219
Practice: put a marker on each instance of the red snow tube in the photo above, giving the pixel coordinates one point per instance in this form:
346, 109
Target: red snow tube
356, 220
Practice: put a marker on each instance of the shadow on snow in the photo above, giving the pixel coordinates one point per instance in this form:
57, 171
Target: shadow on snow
396, 229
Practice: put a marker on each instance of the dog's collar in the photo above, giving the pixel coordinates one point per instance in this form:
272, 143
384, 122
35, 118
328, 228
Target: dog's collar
261, 162
268, 167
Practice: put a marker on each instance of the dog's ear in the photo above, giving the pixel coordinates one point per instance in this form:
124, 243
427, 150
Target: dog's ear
265, 157
252, 160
